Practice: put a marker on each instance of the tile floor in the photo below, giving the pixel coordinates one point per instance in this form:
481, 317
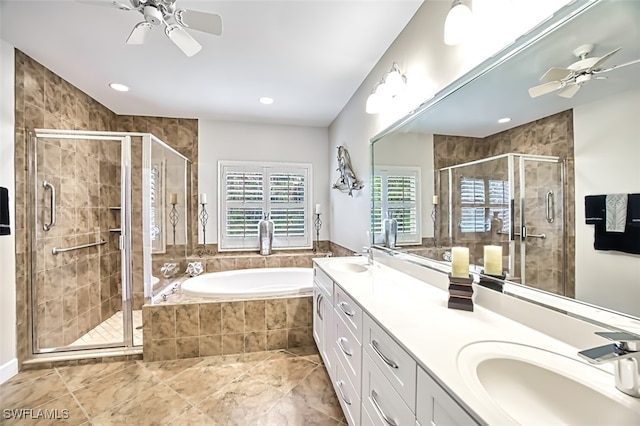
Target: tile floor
110, 331
274, 388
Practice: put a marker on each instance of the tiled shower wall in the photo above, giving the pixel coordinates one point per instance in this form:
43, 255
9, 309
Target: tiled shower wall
551, 135
44, 100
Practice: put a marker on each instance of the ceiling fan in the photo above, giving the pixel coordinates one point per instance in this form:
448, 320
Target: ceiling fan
164, 12
569, 80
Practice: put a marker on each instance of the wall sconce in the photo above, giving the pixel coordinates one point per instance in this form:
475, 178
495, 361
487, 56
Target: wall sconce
457, 24
391, 85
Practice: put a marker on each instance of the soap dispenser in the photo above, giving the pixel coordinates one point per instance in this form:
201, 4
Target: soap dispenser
265, 235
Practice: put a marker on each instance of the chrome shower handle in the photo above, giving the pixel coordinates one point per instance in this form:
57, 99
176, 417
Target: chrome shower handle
550, 217
52, 201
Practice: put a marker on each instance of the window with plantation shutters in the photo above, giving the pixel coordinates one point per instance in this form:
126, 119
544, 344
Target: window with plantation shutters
479, 198
249, 190
396, 190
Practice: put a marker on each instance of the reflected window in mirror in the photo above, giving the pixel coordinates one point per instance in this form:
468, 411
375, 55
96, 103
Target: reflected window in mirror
482, 201
396, 190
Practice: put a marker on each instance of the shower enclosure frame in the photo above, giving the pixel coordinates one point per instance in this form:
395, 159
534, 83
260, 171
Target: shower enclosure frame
127, 346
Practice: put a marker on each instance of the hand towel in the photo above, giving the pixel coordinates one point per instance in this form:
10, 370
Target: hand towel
594, 208
5, 228
616, 212
633, 210
625, 242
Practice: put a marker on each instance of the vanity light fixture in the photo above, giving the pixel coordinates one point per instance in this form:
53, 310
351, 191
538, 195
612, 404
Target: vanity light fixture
504, 120
119, 87
265, 100
392, 84
457, 23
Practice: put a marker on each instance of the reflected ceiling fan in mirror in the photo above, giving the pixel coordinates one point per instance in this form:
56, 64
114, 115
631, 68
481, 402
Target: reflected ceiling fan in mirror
569, 80
164, 12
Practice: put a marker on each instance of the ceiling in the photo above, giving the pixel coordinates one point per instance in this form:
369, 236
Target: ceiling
474, 110
310, 56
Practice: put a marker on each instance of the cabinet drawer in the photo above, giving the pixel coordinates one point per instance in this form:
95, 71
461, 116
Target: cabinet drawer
393, 361
349, 311
323, 281
348, 351
380, 400
435, 406
348, 396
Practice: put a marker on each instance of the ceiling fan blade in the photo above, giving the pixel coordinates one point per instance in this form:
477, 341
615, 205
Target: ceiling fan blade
139, 33
617, 66
570, 91
555, 74
107, 3
602, 60
201, 21
181, 38
545, 88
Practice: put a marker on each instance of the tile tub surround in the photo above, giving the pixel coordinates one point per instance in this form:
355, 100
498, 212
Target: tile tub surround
178, 331
263, 388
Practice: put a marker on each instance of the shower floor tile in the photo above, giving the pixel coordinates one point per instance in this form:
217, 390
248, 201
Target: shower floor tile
110, 331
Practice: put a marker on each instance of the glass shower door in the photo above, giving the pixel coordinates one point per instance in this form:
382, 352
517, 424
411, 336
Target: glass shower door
80, 198
540, 216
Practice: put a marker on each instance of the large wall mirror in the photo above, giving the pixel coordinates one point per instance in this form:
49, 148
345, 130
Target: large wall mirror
453, 173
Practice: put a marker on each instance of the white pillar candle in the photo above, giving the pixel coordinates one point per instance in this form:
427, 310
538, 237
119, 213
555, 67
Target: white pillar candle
317, 208
493, 260
203, 198
435, 200
174, 198
460, 262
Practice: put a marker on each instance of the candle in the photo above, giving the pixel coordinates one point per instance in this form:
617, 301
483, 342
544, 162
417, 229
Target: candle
460, 262
435, 200
203, 198
317, 208
174, 198
493, 260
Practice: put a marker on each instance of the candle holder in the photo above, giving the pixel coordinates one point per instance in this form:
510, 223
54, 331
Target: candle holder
494, 282
204, 218
317, 223
173, 220
460, 293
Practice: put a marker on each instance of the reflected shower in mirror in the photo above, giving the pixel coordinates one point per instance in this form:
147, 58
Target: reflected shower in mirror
521, 184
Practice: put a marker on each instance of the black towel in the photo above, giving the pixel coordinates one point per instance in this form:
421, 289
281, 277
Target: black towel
595, 209
626, 242
5, 229
633, 210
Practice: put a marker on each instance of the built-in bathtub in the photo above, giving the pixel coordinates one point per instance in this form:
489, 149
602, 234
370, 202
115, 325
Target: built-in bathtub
231, 312
250, 283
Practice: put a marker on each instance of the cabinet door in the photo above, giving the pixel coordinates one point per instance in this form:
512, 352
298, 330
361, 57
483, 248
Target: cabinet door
328, 341
435, 407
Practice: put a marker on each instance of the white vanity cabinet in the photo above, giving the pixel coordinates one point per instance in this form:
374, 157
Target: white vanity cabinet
323, 322
435, 407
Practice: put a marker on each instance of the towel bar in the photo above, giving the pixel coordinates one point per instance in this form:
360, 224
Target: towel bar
57, 250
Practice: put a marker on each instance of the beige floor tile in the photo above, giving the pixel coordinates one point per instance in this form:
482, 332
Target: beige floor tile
196, 383
283, 374
290, 411
304, 350
192, 417
316, 391
241, 402
17, 394
155, 406
244, 361
61, 411
115, 389
82, 375
165, 370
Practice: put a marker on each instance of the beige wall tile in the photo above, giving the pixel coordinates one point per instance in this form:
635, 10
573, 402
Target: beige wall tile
232, 317
211, 345
210, 318
187, 320
232, 343
276, 314
255, 316
163, 322
187, 347
255, 341
277, 339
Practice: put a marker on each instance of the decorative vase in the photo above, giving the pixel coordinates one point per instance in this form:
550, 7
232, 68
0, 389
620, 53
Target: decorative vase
390, 227
265, 235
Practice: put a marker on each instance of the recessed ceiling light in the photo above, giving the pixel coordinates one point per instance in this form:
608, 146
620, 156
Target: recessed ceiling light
504, 120
119, 87
266, 100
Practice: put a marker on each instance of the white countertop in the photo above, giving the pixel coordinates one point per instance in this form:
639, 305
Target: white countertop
416, 314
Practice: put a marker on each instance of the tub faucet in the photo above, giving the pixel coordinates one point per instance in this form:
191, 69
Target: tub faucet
624, 352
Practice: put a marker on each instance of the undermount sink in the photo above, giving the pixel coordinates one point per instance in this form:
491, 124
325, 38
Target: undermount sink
534, 386
357, 265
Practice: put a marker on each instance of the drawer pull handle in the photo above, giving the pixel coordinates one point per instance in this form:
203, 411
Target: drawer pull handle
376, 405
339, 384
318, 306
390, 363
348, 312
339, 341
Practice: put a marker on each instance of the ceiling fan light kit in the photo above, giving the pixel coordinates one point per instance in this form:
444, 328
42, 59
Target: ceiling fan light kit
164, 12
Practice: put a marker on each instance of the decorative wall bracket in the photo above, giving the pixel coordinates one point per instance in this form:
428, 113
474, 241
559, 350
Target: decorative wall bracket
348, 181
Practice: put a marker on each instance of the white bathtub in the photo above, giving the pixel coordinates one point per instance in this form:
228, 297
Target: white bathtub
250, 283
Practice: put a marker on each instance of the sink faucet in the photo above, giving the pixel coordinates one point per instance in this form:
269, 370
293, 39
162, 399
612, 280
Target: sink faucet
625, 354
366, 251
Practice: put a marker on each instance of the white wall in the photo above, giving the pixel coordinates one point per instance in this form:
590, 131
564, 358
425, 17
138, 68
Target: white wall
607, 152
8, 360
227, 140
430, 66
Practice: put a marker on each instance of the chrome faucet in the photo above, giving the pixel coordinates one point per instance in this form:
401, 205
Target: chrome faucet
624, 352
366, 251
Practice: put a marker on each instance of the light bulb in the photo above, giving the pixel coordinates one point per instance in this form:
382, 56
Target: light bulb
457, 24
374, 104
394, 83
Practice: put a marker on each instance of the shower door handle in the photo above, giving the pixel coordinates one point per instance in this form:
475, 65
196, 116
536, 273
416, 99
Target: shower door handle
52, 200
550, 217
